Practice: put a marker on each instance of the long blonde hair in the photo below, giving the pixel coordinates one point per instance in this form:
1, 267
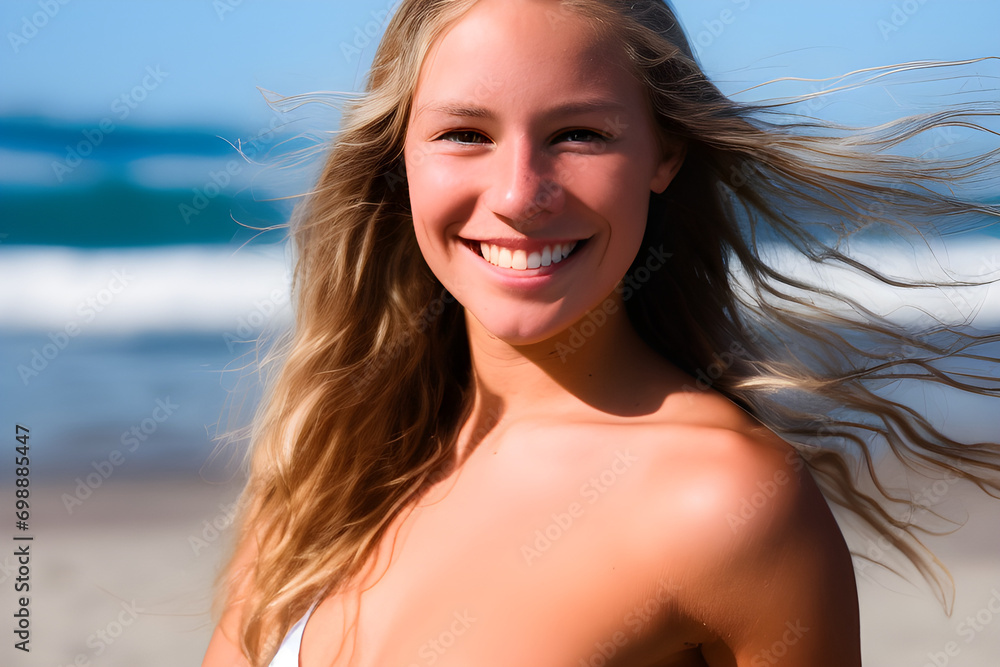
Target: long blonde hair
374, 380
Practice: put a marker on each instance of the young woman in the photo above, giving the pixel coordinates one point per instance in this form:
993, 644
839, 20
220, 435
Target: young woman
528, 414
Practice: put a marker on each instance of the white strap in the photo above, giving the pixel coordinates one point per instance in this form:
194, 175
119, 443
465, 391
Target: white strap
288, 652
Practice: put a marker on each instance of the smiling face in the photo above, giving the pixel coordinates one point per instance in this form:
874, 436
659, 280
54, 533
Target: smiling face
530, 156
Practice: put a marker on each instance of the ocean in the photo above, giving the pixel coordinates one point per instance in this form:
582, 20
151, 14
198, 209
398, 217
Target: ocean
138, 268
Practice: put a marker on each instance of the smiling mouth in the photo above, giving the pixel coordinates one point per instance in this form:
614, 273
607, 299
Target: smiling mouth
524, 260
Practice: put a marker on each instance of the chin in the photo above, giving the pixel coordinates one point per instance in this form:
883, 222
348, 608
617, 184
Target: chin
520, 331
519, 336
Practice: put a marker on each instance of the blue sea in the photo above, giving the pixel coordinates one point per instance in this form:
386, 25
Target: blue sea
138, 268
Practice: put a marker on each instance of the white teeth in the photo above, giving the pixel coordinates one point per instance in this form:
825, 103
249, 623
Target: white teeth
520, 259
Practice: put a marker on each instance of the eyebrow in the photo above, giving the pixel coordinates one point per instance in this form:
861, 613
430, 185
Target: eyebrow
465, 110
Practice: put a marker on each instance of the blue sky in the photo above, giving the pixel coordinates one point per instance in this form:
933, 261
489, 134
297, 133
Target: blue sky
73, 59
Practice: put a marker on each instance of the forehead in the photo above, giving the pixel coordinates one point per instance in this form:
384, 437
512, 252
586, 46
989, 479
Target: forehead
510, 49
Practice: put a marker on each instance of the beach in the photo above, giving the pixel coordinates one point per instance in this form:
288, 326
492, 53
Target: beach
903, 625
131, 513
145, 272
125, 581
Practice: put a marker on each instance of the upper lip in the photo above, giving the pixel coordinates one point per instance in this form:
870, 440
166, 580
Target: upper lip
526, 244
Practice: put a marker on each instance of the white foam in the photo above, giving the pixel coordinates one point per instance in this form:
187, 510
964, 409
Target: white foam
209, 288
185, 288
972, 258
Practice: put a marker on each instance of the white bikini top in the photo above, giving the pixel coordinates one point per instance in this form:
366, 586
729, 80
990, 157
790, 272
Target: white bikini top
288, 652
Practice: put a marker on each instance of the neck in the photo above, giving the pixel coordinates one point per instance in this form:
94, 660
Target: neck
599, 364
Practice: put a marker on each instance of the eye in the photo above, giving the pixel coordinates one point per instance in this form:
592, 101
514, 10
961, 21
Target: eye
581, 135
464, 137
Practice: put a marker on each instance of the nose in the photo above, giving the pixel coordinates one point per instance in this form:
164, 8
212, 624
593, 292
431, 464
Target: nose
522, 187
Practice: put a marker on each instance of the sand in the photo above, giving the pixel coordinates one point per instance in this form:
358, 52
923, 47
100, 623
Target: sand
124, 581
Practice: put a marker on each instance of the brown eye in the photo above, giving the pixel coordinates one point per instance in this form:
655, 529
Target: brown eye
464, 137
581, 136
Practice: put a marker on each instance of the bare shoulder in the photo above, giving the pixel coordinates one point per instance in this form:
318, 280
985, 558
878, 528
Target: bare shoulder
743, 490
763, 563
704, 445
730, 487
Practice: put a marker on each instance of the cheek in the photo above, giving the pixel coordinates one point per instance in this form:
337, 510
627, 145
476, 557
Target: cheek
438, 195
621, 197
439, 201
619, 193
426, 207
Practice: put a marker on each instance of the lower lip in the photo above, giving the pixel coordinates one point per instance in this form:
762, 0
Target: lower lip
524, 278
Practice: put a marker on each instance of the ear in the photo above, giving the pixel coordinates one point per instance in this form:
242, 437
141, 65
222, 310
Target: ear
666, 170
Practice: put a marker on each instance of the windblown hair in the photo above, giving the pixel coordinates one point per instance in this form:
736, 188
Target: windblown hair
374, 380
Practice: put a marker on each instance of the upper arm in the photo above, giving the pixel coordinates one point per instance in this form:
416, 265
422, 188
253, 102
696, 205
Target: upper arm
224, 648
222, 652
779, 581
